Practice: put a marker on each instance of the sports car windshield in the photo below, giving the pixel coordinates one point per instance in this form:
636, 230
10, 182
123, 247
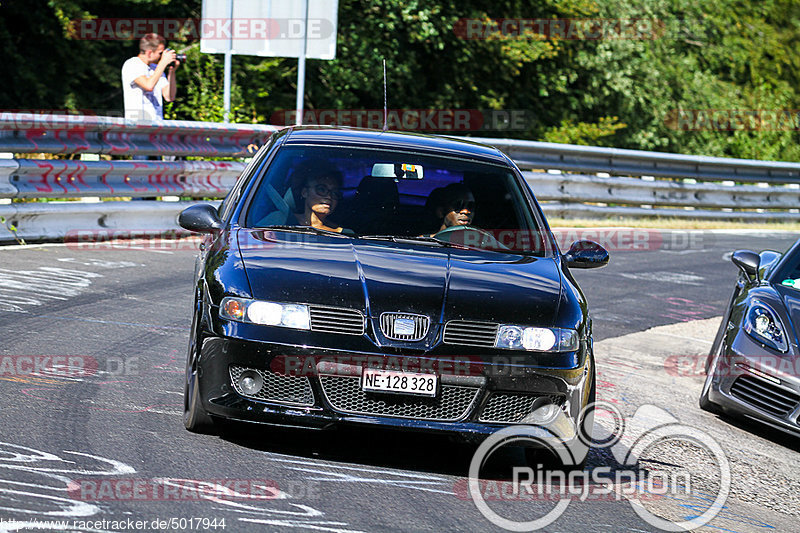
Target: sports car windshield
396, 196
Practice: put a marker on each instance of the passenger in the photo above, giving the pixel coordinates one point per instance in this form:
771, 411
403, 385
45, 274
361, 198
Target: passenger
320, 192
454, 205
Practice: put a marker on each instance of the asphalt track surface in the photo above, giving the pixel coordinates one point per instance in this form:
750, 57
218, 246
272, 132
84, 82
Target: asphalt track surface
70, 443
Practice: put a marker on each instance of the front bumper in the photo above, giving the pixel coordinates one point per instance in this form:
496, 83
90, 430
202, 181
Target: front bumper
474, 400
753, 381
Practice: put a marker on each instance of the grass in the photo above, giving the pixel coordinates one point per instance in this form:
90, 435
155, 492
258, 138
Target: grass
669, 223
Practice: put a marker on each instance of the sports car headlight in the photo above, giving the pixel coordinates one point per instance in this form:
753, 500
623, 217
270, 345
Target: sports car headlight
537, 339
763, 325
265, 313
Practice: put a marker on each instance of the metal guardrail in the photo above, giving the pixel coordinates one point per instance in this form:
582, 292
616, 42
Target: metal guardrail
88, 222
615, 161
578, 188
78, 134
569, 180
62, 178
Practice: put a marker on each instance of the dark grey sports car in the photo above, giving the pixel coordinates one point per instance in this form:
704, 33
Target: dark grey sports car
376, 278
754, 366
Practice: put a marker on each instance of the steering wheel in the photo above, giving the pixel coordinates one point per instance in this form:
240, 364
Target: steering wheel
470, 236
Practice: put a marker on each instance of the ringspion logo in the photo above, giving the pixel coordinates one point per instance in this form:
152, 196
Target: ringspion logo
649, 427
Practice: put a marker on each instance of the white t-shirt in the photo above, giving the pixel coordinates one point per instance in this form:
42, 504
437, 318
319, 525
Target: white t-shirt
141, 104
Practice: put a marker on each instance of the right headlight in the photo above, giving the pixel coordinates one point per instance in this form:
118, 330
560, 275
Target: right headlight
763, 325
536, 339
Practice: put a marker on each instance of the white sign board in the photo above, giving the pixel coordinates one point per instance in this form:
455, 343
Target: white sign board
270, 28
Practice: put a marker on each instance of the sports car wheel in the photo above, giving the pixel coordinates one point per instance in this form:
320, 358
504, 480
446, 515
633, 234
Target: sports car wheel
705, 402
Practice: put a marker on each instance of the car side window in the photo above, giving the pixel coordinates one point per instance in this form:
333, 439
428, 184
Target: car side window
230, 201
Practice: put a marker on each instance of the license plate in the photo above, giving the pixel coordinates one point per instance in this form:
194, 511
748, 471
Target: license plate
376, 380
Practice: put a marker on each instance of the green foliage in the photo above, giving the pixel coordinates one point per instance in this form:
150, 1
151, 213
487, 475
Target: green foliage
200, 78
13, 229
624, 92
583, 133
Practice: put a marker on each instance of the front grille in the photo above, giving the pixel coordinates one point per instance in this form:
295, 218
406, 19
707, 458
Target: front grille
765, 395
512, 408
470, 333
344, 394
276, 388
417, 326
336, 320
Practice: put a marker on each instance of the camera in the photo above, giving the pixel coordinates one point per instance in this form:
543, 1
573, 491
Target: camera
178, 57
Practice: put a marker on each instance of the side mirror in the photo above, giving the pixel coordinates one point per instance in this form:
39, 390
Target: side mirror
586, 254
202, 218
747, 261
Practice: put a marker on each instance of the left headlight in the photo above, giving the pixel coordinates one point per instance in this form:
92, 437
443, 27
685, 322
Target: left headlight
265, 313
537, 339
763, 325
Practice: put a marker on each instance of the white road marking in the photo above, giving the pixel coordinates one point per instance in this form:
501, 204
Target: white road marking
665, 276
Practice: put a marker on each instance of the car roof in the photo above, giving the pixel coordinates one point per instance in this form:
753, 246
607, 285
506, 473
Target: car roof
397, 140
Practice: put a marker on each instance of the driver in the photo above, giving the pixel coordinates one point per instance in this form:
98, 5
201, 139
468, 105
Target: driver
321, 195
318, 190
455, 206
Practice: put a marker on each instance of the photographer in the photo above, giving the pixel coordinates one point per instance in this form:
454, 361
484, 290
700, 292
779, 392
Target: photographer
148, 79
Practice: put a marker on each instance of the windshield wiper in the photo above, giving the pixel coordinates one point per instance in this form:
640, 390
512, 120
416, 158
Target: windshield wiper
399, 239
307, 229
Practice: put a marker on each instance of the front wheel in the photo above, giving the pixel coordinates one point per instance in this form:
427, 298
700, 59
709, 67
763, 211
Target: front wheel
705, 402
579, 450
195, 418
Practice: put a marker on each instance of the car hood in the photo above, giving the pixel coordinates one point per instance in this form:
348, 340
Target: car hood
443, 283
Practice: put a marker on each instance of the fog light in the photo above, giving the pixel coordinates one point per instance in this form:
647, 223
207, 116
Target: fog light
250, 383
543, 413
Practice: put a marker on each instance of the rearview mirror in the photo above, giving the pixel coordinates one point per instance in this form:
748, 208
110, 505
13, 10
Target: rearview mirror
586, 254
202, 218
748, 262
398, 171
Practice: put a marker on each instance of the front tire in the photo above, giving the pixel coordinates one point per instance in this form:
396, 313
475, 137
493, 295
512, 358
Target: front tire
705, 402
579, 451
195, 417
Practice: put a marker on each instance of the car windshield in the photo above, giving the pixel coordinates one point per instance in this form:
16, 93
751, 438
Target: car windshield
396, 196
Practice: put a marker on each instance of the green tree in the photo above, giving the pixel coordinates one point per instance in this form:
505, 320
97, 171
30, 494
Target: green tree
624, 92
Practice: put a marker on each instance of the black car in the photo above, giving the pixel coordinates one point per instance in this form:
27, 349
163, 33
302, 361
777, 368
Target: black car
754, 364
358, 277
